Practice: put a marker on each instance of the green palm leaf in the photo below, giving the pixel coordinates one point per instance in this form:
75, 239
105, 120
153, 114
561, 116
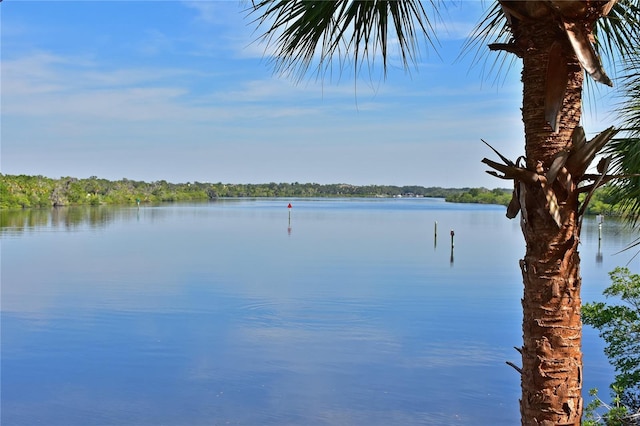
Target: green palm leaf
625, 151
304, 33
617, 34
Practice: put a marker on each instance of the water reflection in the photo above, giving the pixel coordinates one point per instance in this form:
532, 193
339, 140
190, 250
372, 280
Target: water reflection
185, 314
65, 218
18, 220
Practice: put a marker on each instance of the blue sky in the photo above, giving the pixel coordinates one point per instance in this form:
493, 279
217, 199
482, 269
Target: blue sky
181, 91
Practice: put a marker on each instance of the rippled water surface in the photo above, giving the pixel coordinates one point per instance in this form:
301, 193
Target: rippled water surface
335, 312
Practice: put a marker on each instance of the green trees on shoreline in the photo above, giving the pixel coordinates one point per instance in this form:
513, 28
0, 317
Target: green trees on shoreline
23, 191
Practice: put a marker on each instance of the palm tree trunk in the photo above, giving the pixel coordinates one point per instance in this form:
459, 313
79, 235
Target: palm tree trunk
551, 355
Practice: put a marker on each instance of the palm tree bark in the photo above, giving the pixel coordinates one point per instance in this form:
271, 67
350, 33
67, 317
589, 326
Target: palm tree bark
551, 354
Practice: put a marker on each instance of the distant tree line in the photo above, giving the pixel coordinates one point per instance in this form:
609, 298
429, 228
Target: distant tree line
481, 196
603, 201
23, 191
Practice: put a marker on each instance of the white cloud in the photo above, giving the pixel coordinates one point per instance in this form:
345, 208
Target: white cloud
208, 11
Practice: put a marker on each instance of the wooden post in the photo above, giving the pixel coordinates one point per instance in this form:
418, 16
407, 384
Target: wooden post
599, 254
435, 234
451, 257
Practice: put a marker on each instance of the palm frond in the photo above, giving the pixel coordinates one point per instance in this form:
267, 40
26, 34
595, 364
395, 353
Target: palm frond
617, 33
491, 30
615, 37
625, 150
303, 33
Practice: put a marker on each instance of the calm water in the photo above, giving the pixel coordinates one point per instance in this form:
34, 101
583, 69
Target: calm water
346, 312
